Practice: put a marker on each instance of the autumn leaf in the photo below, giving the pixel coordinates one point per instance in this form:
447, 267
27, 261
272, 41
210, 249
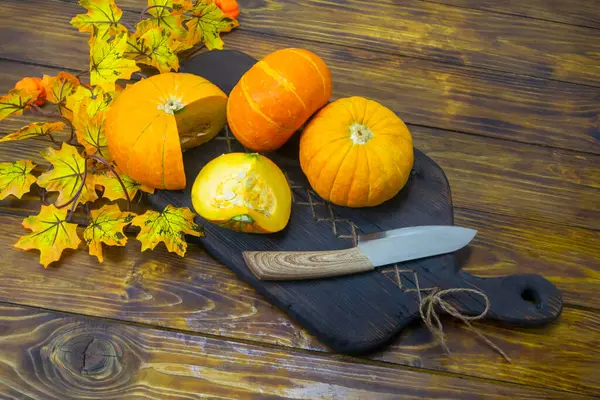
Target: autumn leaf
67, 175
107, 63
169, 227
206, 24
51, 234
113, 189
35, 129
106, 226
181, 6
157, 44
101, 20
90, 133
15, 102
94, 100
58, 88
16, 178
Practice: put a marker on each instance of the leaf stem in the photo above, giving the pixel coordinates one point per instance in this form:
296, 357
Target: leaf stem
116, 175
145, 10
75, 198
39, 111
70, 140
53, 140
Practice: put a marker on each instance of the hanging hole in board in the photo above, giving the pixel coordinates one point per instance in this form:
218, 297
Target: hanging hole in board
530, 296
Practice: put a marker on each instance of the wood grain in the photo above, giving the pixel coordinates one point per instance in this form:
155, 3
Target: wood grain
451, 35
274, 265
195, 294
45, 355
422, 92
575, 12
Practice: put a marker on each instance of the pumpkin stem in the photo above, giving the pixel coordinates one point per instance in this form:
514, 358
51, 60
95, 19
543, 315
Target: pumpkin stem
171, 106
360, 134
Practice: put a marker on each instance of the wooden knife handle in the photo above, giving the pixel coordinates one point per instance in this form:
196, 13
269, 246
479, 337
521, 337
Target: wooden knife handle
282, 265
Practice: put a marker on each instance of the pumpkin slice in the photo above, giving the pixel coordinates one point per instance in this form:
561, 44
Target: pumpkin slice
243, 192
154, 119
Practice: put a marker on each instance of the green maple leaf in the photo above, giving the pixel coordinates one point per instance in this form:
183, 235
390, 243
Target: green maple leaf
16, 178
158, 50
169, 227
206, 25
67, 175
101, 20
107, 63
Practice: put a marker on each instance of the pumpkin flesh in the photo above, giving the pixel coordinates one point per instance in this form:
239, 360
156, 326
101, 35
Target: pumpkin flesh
243, 192
356, 153
154, 119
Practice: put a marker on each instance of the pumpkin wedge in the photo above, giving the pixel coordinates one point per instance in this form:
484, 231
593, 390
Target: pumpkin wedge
152, 120
243, 192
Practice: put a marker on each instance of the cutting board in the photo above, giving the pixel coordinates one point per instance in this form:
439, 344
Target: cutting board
359, 313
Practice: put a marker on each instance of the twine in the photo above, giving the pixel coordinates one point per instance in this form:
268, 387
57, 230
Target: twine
432, 321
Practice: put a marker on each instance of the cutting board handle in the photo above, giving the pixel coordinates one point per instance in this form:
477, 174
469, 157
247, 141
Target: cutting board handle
284, 265
524, 299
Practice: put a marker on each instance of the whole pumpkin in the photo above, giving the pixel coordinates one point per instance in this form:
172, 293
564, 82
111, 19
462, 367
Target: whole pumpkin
276, 96
152, 120
356, 152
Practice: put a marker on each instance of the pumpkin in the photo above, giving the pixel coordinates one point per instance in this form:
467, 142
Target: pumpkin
276, 96
33, 85
243, 192
152, 120
356, 152
229, 7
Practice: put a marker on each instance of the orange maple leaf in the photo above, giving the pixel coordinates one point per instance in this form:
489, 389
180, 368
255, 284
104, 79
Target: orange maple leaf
106, 226
51, 234
35, 129
58, 88
90, 133
15, 102
113, 189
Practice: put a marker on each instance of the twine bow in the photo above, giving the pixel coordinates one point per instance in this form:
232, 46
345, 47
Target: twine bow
427, 310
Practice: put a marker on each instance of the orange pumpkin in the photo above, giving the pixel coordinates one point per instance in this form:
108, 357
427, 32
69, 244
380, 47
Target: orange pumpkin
152, 120
356, 153
229, 7
33, 85
276, 96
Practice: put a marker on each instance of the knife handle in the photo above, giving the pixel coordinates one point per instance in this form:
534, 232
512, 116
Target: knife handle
283, 265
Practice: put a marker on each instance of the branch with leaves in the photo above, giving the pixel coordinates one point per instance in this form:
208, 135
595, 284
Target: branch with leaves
81, 168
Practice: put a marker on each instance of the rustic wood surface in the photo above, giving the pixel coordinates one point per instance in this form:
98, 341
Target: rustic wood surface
504, 96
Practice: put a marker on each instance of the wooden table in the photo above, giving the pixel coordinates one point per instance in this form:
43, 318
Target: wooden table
504, 95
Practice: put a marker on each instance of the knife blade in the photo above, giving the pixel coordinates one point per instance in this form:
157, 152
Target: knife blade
373, 250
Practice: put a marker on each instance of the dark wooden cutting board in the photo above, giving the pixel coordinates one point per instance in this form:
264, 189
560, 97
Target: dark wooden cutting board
358, 313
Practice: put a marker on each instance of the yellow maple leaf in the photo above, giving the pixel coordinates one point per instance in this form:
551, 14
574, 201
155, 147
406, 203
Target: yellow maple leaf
113, 189
157, 44
51, 234
181, 6
169, 227
107, 63
15, 102
94, 100
101, 20
67, 175
35, 129
16, 178
206, 25
90, 133
106, 226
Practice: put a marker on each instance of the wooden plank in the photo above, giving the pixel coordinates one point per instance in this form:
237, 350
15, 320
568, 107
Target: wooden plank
535, 182
195, 294
573, 12
434, 31
422, 92
45, 355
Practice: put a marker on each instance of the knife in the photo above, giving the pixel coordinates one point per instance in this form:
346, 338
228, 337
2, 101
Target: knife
373, 250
